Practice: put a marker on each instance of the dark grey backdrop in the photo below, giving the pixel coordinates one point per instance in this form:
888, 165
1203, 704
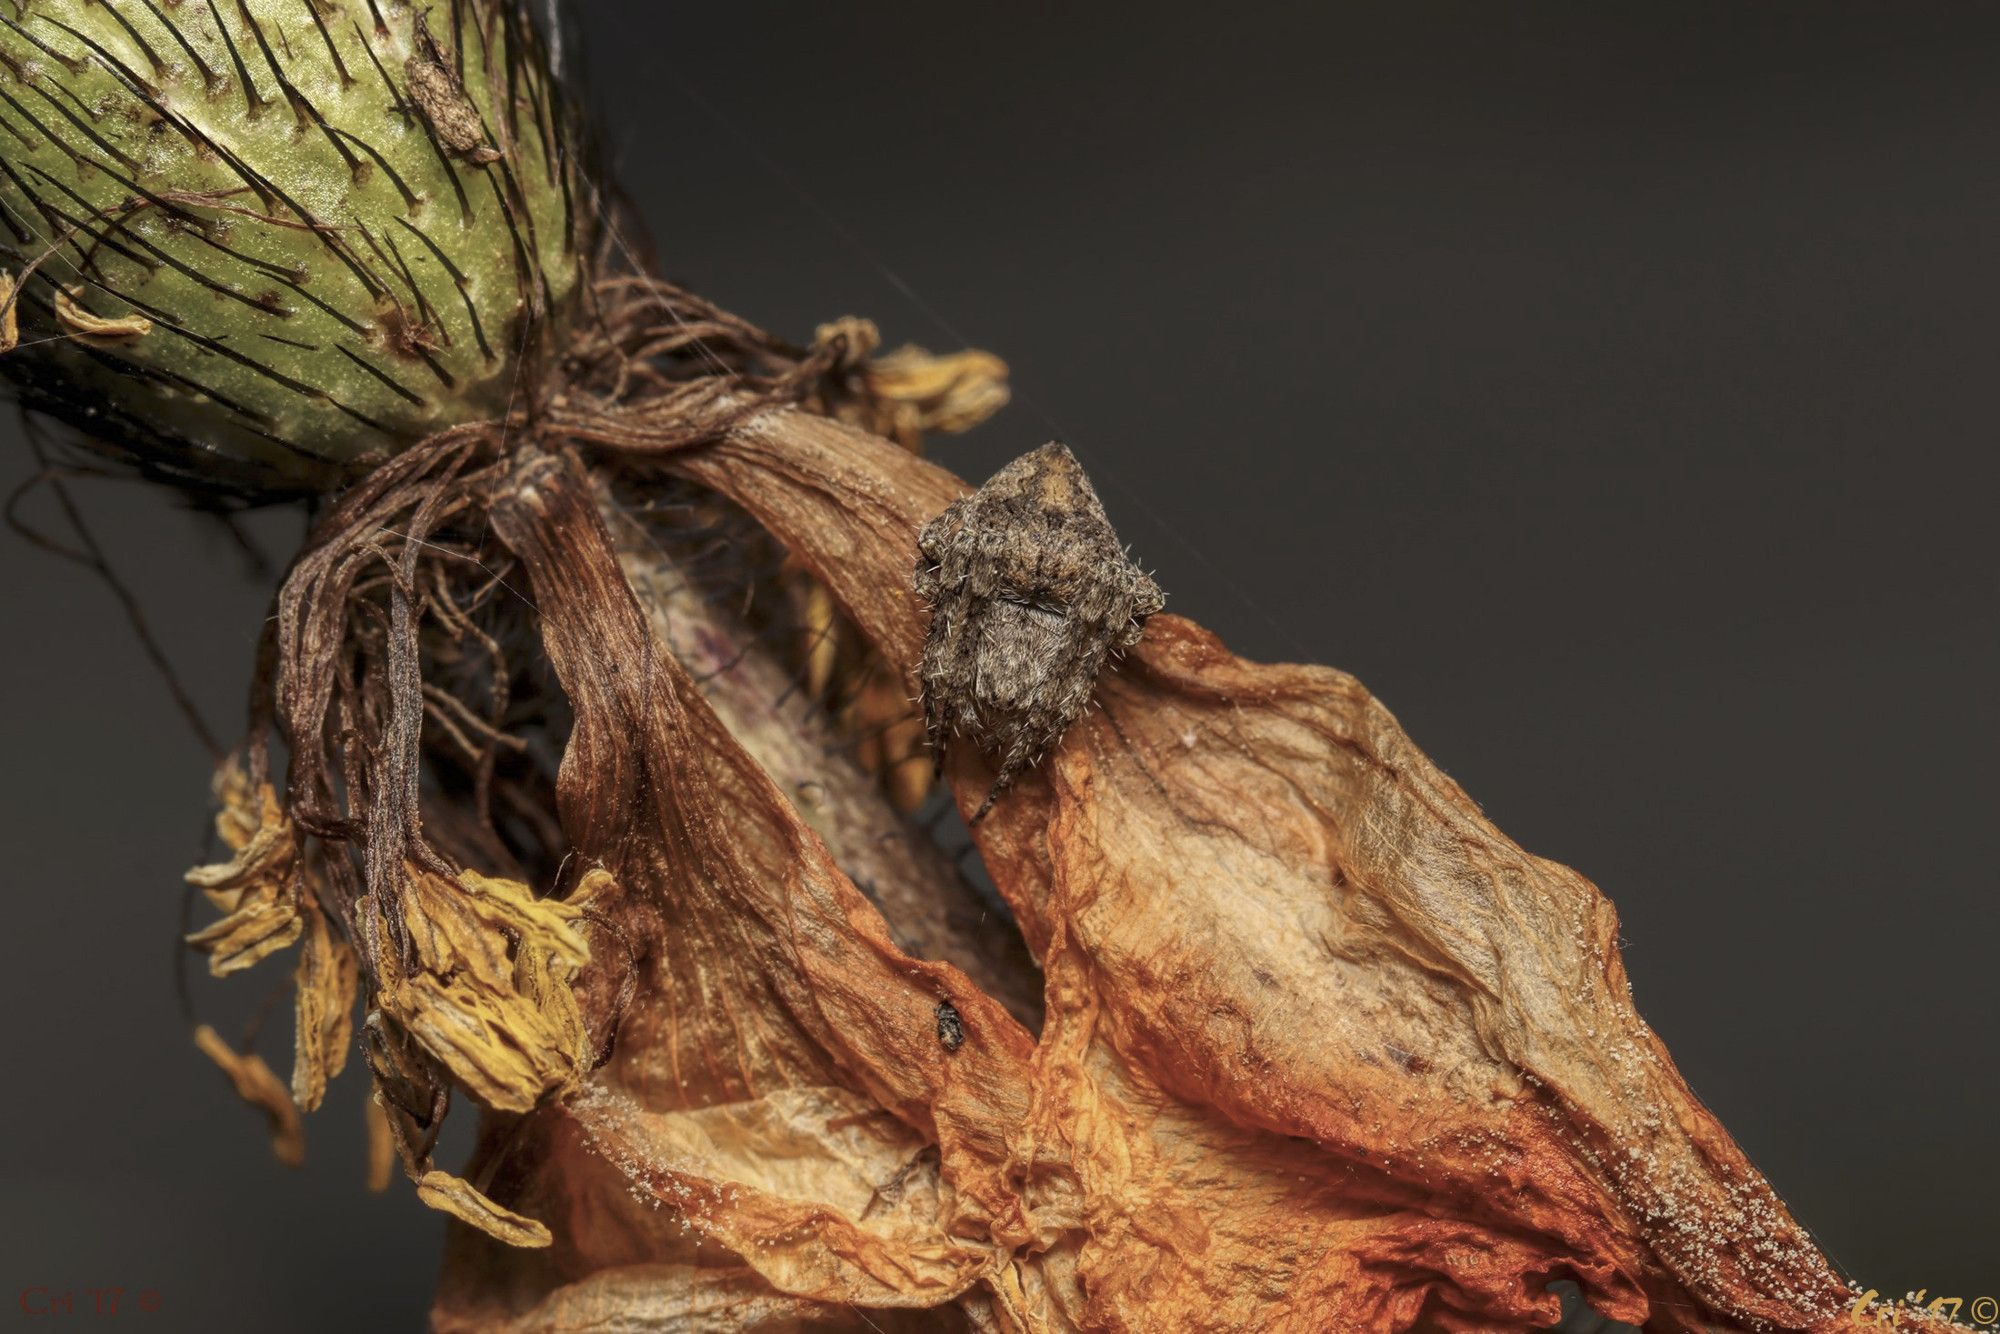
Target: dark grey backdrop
1611, 389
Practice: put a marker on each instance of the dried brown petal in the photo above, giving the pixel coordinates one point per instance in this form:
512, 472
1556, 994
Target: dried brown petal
405, 1141
933, 911
256, 1085
819, 1190
445, 1192
765, 975
683, 1298
903, 396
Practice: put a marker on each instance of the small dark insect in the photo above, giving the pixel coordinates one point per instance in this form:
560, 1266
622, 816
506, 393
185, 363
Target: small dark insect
951, 1029
1029, 592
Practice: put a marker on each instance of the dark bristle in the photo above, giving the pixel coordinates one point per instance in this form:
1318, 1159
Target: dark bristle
83, 126
81, 119
253, 101
247, 414
357, 170
524, 263
21, 136
48, 136
410, 198
436, 367
303, 110
368, 239
396, 98
465, 213
512, 97
71, 63
159, 66
332, 51
154, 255
330, 239
290, 282
427, 313
458, 279
141, 87
19, 226
385, 250
394, 385
165, 321
209, 77
458, 39
253, 180
138, 194
541, 299
27, 192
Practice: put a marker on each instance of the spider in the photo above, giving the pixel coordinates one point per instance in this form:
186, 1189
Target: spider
1029, 592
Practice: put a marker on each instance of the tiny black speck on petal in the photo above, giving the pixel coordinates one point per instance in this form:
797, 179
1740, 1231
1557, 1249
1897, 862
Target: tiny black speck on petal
950, 1029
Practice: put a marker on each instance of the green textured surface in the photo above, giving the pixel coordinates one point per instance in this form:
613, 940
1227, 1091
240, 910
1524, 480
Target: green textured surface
328, 279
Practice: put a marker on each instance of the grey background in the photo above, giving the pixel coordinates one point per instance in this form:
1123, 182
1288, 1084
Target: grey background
1610, 388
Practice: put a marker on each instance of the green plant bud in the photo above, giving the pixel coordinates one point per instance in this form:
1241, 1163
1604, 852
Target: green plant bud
263, 243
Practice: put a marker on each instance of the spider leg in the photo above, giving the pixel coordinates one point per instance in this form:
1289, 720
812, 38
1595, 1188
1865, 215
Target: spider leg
1020, 754
1001, 782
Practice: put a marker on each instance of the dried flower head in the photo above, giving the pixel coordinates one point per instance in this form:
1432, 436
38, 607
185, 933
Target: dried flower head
1320, 1048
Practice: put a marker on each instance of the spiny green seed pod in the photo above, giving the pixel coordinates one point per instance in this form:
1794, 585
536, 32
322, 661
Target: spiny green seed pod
260, 243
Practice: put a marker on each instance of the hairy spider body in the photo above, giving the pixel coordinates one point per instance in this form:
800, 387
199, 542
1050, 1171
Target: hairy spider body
1030, 592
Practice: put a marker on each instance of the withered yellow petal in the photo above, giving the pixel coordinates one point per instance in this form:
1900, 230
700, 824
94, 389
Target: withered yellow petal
951, 393
326, 983
10, 315
78, 322
448, 1194
256, 1085
489, 997
381, 1145
258, 890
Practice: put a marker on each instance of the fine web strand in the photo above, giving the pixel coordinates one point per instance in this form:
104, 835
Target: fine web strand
1113, 477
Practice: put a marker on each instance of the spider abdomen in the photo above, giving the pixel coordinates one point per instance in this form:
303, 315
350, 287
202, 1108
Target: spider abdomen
1029, 591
